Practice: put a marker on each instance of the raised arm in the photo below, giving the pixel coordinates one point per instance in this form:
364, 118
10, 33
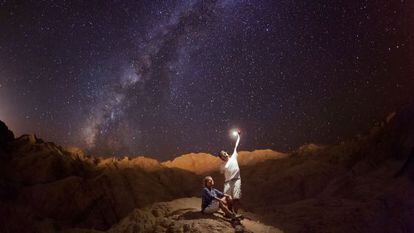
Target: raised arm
237, 143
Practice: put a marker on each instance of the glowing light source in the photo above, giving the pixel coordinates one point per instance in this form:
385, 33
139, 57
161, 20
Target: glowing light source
234, 132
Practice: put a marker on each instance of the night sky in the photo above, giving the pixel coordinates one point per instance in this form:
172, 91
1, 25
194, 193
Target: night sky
163, 78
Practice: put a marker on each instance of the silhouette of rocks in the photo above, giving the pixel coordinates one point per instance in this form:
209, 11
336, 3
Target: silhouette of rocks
6, 136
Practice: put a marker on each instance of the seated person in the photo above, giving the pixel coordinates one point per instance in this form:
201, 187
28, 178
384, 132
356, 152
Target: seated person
212, 200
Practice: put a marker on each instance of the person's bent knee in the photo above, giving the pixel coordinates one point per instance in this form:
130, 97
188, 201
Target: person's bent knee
229, 200
221, 204
213, 207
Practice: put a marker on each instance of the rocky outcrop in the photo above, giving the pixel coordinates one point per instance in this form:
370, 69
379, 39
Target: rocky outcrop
32, 161
140, 162
46, 187
198, 163
250, 158
6, 136
362, 185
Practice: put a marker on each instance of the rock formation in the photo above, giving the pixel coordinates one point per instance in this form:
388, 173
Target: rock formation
361, 185
44, 186
202, 163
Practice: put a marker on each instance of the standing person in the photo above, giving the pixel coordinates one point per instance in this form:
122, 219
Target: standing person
232, 180
212, 200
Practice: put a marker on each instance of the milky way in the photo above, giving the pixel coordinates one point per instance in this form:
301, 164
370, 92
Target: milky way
162, 78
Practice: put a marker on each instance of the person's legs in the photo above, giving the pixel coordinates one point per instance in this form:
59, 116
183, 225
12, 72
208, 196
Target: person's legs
236, 188
225, 209
228, 189
236, 205
213, 207
229, 202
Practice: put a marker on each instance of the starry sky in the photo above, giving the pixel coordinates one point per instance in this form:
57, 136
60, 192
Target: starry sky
163, 78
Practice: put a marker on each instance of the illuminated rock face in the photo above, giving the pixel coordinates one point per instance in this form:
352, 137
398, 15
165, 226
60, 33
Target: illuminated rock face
199, 163
202, 163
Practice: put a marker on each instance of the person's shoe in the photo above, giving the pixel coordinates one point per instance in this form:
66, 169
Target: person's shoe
239, 216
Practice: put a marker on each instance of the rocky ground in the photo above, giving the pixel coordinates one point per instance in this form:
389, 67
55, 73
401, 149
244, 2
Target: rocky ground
181, 215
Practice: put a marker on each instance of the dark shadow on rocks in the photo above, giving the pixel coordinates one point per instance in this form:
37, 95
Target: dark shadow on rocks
408, 167
181, 211
191, 215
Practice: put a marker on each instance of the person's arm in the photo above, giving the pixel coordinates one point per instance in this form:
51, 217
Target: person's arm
207, 194
219, 194
237, 143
